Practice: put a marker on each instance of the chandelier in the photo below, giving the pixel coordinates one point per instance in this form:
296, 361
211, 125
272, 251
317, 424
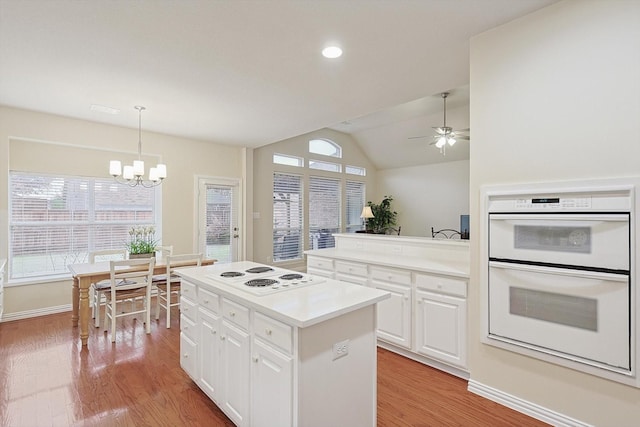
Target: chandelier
133, 175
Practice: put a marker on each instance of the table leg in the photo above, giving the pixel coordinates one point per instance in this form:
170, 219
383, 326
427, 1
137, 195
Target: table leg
75, 301
84, 310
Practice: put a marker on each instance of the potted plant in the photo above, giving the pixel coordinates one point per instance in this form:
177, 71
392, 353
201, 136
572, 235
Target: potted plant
142, 243
384, 218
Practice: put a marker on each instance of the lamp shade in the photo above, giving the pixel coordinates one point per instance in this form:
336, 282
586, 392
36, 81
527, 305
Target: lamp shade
366, 212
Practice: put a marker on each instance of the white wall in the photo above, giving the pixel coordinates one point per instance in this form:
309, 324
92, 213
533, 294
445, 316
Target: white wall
426, 196
89, 141
554, 96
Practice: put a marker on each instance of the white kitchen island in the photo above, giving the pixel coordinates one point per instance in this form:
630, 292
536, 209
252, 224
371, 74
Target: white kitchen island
300, 356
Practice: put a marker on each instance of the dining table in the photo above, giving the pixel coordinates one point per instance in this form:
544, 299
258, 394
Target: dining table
85, 274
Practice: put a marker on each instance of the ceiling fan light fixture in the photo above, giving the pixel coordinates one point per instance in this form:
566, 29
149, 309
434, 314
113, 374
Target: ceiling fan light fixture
451, 140
441, 142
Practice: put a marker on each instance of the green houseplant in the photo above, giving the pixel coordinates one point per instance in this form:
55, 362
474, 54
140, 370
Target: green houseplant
384, 218
141, 242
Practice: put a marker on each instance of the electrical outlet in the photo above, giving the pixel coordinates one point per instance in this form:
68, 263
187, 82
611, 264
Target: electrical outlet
340, 349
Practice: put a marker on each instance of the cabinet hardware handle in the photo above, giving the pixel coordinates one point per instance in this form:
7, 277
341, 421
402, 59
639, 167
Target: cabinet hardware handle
186, 355
268, 331
213, 331
221, 337
233, 313
255, 359
206, 301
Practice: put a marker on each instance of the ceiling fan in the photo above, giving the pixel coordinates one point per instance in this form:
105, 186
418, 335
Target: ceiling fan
445, 135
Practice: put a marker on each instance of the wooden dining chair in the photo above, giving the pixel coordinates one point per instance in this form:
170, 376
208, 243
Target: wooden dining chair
130, 279
97, 289
168, 284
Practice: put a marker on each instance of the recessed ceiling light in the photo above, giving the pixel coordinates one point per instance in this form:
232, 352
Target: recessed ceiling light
332, 52
104, 109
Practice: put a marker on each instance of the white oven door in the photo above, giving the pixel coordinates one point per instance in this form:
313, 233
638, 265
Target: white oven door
594, 240
574, 314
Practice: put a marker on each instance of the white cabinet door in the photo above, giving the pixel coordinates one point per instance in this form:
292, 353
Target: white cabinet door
235, 373
394, 314
271, 387
188, 356
209, 353
441, 327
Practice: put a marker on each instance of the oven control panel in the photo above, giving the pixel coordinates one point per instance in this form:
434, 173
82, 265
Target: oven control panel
554, 203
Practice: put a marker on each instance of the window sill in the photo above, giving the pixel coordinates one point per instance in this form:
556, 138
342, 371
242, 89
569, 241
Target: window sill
37, 281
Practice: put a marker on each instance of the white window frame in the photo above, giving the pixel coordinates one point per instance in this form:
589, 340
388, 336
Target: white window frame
58, 268
328, 146
281, 244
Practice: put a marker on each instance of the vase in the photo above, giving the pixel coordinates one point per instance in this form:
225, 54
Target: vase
145, 255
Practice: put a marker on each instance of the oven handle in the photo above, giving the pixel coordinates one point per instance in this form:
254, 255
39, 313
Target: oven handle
560, 271
561, 217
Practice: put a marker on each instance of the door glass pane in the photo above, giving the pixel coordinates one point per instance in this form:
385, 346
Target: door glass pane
220, 223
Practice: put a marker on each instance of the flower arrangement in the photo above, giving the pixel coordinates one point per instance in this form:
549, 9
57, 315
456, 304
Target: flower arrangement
141, 240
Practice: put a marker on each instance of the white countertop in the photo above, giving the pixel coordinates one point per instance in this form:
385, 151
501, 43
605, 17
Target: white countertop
301, 307
445, 267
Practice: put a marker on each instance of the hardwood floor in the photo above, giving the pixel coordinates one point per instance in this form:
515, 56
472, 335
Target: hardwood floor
47, 379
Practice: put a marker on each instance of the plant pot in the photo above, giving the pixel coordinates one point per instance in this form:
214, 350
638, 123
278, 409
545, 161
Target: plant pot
145, 255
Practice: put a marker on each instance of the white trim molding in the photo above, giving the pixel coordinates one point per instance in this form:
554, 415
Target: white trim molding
27, 314
533, 410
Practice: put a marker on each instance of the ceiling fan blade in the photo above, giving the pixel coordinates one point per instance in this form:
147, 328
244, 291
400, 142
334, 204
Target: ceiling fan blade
417, 137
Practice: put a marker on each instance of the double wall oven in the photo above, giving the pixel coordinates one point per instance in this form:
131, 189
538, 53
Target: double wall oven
560, 275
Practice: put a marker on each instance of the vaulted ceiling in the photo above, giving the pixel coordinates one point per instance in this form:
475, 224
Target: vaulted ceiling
248, 73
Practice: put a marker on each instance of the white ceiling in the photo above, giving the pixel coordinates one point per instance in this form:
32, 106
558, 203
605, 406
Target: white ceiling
250, 73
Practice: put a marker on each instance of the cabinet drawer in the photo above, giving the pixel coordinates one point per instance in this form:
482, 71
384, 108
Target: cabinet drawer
188, 290
273, 332
320, 263
321, 273
351, 268
390, 275
188, 308
235, 313
209, 300
443, 285
188, 327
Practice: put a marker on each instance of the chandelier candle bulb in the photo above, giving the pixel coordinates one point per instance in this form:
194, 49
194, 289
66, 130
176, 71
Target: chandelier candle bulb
138, 167
128, 172
162, 170
153, 174
115, 168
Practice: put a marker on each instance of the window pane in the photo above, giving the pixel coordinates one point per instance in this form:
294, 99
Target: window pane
284, 159
324, 211
355, 202
325, 147
355, 170
287, 217
325, 166
55, 221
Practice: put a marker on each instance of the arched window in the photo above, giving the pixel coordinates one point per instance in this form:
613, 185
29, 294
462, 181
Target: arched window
325, 147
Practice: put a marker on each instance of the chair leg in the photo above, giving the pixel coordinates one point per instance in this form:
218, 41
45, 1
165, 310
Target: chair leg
147, 312
113, 320
158, 293
168, 303
97, 300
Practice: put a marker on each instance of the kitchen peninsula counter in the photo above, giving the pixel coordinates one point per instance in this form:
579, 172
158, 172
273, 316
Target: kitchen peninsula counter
425, 318
446, 257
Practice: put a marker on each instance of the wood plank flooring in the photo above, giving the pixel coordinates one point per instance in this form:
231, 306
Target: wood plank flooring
47, 379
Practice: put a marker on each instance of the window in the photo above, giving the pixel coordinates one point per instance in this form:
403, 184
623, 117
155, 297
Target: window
325, 166
325, 147
56, 220
355, 202
284, 159
355, 170
287, 216
324, 211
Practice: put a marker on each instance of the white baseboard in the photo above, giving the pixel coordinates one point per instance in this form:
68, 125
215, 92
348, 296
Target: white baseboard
458, 372
523, 406
35, 313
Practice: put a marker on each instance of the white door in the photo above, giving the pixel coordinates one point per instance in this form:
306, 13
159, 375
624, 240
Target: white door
394, 314
271, 387
219, 234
